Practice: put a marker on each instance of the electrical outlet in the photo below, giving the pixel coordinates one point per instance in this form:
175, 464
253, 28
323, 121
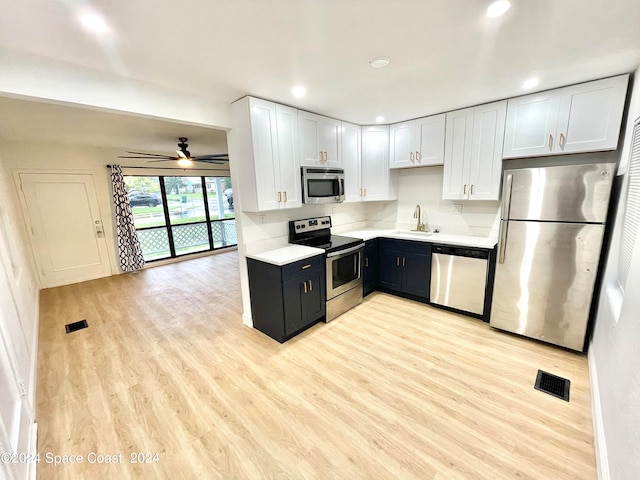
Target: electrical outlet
456, 208
261, 219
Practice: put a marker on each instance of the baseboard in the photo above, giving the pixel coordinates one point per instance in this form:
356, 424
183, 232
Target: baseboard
247, 320
33, 448
600, 444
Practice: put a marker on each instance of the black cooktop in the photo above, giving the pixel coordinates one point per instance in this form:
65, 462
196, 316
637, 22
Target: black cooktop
316, 232
332, 243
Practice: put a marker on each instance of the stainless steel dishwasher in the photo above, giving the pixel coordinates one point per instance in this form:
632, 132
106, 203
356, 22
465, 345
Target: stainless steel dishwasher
459, 277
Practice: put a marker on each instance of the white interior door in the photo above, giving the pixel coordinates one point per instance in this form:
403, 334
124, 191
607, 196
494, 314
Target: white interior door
65, 227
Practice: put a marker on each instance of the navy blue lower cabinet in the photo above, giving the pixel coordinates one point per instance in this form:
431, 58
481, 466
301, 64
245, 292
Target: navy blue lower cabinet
371, 268
286, 300
405, 267
390, 264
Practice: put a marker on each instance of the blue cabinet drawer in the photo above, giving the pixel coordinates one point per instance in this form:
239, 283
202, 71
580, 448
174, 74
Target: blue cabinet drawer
292, 270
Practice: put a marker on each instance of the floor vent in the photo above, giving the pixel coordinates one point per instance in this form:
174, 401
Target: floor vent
73, 327
553, 385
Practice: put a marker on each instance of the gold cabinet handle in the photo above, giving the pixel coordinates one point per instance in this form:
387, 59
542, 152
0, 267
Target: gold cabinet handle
471, 191
366, 262
306, 266
360, 191
365, 192
411, 156
417, 156
279, 197
562, 140
305, 286
464, 190
550, 142
285, 196
326, 156
310, 286
404, 261
397, 261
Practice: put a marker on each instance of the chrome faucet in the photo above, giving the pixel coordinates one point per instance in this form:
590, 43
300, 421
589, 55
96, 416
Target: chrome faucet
420, 227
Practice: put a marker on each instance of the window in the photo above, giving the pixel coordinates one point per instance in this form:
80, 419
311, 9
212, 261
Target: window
631, 219
177, 216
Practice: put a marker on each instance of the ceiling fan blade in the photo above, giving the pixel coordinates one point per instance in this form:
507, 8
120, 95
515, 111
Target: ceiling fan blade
146, 158
209, 160
151, 154
162, 160
224, 158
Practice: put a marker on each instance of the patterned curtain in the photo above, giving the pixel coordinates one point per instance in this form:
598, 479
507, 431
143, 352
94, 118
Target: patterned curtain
128, 244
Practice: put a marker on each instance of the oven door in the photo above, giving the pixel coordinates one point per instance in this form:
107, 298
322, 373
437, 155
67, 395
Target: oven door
344, 270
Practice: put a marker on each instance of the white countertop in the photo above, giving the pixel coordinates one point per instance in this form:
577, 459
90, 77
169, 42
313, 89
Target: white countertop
287, 254
444, 238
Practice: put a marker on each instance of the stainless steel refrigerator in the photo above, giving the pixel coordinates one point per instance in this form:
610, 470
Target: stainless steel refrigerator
551, 231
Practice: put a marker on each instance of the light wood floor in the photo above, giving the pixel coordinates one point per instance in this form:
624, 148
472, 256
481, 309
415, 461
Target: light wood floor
392, 389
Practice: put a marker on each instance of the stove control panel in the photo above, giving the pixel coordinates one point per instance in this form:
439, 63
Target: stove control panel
310, 224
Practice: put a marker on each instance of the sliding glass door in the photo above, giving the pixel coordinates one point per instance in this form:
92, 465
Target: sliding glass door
177, 216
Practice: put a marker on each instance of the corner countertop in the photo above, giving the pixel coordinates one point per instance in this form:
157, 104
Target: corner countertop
287, 254
443, 238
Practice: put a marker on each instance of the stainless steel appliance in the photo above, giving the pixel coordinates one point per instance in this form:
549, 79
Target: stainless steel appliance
548, 252
344, 259
322, 185
459, 277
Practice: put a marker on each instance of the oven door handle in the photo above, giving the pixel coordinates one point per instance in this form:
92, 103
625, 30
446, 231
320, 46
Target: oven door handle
344, 252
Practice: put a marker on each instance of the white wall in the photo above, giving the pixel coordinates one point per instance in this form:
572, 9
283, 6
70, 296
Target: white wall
614, 354
18, 312
423, 186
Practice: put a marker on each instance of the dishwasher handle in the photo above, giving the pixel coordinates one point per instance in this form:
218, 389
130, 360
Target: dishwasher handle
459, 251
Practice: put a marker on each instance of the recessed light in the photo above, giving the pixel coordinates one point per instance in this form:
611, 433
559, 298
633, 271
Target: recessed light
379, 62
299, 91
94, 22
498, 8
379, 119
530, 83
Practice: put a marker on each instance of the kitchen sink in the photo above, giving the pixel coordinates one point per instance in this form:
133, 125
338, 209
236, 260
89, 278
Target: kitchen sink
413, 233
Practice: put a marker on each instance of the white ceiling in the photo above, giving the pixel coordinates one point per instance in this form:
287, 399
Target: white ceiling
445, 54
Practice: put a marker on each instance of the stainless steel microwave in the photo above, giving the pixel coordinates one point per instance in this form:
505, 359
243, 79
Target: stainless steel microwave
322, 185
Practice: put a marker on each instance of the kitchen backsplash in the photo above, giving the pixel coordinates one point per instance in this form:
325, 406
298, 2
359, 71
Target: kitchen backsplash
423, 186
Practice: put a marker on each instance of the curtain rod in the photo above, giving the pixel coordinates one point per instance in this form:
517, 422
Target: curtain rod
169, 168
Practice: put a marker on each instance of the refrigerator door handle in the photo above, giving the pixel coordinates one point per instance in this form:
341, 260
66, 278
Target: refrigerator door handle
506, 196
502, 240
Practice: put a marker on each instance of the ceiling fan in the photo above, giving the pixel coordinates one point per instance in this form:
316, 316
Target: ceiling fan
183, 157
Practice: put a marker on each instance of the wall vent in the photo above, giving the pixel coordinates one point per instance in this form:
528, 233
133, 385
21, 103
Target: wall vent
73, 327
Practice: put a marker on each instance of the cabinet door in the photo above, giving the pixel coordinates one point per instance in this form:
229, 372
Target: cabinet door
351, 158
313, 299
292, 293
416, 274
457, 154
401, 141
288, 164
486, 152
430, 140
390, 268
531, 125
370, 275
265, 146
309, 146
591, 115
329, 135
376, 184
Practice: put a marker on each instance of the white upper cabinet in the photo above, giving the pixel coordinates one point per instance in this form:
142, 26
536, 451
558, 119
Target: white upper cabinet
320, 140
351, 159
417, 143
580, 118
377, 182
473, 152
264, 140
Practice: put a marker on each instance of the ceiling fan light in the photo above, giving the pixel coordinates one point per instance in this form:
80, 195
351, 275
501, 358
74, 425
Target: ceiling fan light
185, 162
